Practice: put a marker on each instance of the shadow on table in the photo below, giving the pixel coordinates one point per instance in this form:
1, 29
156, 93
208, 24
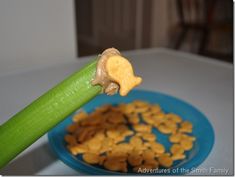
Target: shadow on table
30, 163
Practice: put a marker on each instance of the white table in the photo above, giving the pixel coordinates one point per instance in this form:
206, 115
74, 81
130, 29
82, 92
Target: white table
205, 83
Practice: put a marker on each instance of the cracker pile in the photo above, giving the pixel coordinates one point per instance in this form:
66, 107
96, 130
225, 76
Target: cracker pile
116, 137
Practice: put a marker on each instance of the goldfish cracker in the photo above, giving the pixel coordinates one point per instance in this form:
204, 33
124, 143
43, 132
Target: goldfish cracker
148, 155
139, 103
171, 123
167, 154
108, 142
173, 129
186, 124
153, 162
94, 145
116, 118
178, 157
135, 159
91, 158
186, 144
77, 149
159, 116
185, 130
122, 107
187, 137
133, 118
127, 133
140, 149
88, 134
103, 108
147, 114
121, 128
142, 128
102, 158
112, 133
70, 139
114, 165
80, 116
157, 147
108, 126
123, 147
103, 119
129, 108
174, 117
165, 129
158, 155
119, 139
136, 141
107, 114
115, 109
116, 155
120, 156
157, 122
139, 134
175, 138
148, 119
165, 160
72, 149
106, 145
147, 136
92, 120
72, 128
99, 135
176, 149
186, 127
82, 134
142, 109
155, 109
147, 145
123, 166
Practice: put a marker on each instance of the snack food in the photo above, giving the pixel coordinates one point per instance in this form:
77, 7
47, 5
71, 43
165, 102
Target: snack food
117, 136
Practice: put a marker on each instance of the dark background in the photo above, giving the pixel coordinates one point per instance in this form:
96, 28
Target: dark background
204, 27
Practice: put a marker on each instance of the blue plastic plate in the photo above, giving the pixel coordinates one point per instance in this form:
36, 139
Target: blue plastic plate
202, 130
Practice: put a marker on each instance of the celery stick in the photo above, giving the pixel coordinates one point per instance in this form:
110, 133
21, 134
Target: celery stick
47, 111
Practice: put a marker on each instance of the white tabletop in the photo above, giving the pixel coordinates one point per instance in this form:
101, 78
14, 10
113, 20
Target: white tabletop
205, 83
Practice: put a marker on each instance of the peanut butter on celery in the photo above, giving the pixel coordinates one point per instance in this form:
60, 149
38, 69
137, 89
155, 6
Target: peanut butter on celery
114, 72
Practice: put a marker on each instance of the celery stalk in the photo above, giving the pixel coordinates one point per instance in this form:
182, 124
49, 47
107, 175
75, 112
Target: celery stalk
47, 111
